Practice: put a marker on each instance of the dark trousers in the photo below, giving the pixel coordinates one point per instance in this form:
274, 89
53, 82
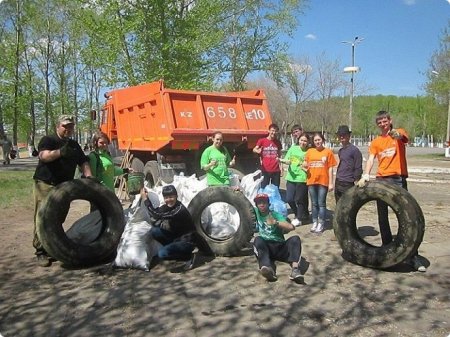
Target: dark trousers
267, 252
383, 210
172, 249
270, 178
297, 198
340, 187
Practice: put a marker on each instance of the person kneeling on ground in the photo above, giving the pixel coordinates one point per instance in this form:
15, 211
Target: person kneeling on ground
270, 245
173, 227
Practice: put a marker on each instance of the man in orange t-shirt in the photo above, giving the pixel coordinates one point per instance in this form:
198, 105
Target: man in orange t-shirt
389, 149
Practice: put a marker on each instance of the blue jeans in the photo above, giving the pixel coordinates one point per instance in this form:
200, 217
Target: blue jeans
318, 194
172, 249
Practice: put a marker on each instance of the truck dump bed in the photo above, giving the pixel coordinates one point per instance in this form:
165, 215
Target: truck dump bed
149, 117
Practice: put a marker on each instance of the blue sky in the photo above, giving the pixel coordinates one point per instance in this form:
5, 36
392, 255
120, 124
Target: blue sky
399, 38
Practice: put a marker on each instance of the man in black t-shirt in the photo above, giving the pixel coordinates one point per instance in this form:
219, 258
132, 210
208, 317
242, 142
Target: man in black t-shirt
59, 157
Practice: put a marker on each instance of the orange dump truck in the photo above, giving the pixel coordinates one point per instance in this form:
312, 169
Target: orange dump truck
167, 130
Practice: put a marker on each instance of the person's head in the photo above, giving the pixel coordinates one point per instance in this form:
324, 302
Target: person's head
303, 141
65, 126
344, 134
318, 140
296, 131
273, 131
100, 140
170, 195
384, 121
217, 139
262, 202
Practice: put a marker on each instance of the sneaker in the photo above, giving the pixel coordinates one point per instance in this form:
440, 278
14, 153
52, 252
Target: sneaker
296, 275
417, 264
314, 226
296, 222
44, 260
319, 228
268, 273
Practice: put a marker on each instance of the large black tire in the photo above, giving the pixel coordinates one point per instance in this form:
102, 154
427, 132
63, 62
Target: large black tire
54, 210
411, 225
234, 244
151, 173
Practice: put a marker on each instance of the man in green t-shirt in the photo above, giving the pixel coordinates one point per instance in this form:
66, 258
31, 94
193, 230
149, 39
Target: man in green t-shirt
271, 246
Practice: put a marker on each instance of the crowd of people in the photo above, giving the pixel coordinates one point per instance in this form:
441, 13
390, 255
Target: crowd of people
309, 177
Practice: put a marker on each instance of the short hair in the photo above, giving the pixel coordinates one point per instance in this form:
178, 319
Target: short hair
296, 127
96, 136
169, 190
382, 114
274, 126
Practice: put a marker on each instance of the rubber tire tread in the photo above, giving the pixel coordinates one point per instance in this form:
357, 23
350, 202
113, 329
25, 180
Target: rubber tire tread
151, 169
411, 225
233, 245
53, 213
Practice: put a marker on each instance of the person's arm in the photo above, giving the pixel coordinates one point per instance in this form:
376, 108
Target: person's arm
357, 166
282, 223
205, 163
330, 178
233, 161
48, 156
86, 169
366, 176
257, 149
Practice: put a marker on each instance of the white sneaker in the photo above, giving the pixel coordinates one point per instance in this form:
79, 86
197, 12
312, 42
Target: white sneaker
296, 222
314, 226
320, 227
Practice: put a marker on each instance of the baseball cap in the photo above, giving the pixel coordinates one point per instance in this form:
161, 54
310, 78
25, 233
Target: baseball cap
65, 119
261, 196
169, 190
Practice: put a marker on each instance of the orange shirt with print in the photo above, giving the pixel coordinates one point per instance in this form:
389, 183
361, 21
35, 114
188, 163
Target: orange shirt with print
319, 163
391, 154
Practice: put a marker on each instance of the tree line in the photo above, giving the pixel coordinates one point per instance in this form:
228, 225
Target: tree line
60, 56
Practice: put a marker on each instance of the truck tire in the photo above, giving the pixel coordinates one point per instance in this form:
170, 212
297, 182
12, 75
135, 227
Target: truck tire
411, 225
137, 165
151, 173
234, 244
54, 210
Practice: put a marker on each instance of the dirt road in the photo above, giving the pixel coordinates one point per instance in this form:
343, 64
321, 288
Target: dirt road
226, 296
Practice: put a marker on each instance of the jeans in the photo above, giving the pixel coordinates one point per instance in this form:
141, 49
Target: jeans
318, 194
270, 178
382, 208
172, 249
267, 252
297, 198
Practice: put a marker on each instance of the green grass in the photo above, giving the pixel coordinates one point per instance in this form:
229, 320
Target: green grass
437, 156
16, 188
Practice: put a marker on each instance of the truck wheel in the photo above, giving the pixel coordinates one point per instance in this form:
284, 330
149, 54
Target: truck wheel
137, 165
151, 173
411, 225
53, 213
231, 245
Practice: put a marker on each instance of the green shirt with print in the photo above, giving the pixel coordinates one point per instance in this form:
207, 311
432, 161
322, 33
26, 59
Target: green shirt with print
269, 232
295, 172
217, 175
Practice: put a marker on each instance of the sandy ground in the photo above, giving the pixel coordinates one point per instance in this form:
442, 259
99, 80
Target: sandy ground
226, 296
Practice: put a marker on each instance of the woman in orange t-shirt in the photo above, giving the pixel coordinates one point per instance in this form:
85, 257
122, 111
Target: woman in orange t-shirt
319, 162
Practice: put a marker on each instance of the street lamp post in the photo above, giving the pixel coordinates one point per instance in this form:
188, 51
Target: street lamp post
353, 69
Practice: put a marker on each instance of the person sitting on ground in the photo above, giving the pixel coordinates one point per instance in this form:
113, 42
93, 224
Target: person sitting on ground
271, 246
173, 226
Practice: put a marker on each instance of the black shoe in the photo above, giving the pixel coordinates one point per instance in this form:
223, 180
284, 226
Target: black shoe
296, 275
44, 260
268, 273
